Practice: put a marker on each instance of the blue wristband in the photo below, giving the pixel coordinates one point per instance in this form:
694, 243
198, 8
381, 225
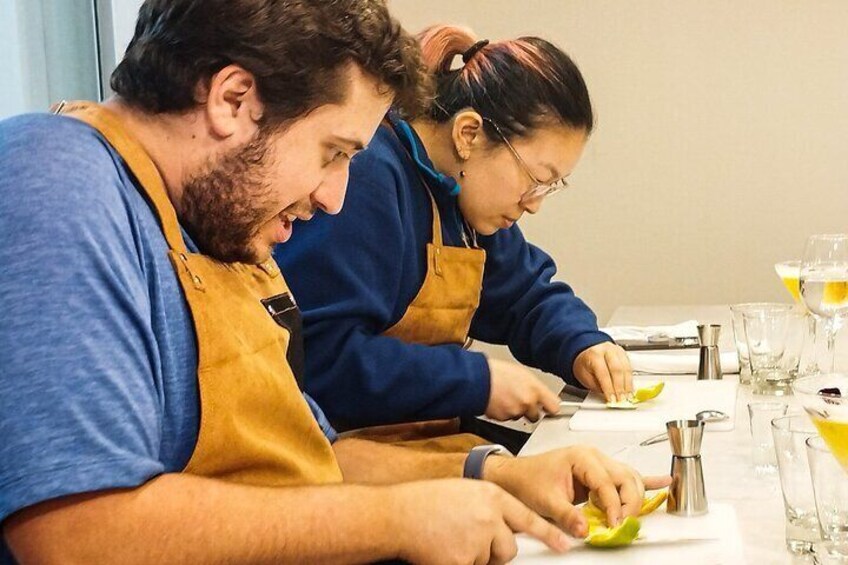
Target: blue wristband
473, 468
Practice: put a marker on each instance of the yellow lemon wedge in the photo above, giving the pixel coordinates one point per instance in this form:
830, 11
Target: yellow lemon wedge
593, 512
640, 395
621, 535
648, 392
652, 503
626, 532
597, 517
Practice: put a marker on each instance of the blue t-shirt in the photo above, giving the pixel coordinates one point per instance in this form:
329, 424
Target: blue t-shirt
98, 356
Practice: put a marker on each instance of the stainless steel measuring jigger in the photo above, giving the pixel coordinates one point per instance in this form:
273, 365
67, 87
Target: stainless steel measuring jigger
709, 362
686, 496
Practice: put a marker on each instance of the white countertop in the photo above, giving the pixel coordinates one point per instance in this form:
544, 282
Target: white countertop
728, 472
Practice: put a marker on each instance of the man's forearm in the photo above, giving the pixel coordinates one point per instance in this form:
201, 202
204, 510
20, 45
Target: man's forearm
180, 518
369, 462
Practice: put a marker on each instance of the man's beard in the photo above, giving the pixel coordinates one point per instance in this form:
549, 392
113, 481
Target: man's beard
223, 207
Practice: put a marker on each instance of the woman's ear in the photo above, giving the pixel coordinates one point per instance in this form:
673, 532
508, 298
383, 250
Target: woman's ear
467, 133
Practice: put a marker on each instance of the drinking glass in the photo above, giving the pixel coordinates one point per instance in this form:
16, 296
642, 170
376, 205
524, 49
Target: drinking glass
825, 398
802, 526
736, 311
790, 274
824, 285
830, 487
775, 336
760, 415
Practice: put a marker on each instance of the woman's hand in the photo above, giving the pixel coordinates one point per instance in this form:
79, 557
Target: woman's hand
516, 392
605, 368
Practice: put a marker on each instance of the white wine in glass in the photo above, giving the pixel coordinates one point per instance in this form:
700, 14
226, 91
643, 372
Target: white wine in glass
824, 284
790, 275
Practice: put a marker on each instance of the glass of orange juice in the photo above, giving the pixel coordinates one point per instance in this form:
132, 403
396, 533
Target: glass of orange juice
825, 399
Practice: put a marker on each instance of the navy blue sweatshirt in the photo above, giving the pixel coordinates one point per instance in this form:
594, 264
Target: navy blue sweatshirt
355, 274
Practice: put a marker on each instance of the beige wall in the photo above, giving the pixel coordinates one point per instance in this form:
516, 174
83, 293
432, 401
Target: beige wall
722, 140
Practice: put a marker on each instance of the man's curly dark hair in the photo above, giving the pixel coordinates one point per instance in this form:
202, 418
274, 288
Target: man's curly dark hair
296, 49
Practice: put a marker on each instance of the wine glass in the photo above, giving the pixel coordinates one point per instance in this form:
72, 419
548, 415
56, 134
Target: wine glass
825, 398
824, 284
790, 274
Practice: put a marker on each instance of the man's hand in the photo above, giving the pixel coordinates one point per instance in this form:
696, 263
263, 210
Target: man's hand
605, 368
516, 392
553, 482
464, 521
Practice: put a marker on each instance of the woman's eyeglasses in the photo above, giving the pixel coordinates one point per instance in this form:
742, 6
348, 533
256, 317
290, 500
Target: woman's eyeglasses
539, 189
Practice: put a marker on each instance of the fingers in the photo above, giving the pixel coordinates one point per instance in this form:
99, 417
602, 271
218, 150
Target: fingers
548, 399
654, 483
619, 370
515, 392
567, 481
483, 557
628, 368
590, 471
504, 547
630, 490
536, 398
606, 368
569, 517
598, 367
616, 487
520, 518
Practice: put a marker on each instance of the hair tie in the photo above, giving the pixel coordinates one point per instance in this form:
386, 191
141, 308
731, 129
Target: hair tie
471, 51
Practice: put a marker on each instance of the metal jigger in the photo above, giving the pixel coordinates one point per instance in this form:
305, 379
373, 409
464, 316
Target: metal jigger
686, 496
709, 363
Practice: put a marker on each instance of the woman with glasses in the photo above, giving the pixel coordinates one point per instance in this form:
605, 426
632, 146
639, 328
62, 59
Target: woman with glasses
426, 256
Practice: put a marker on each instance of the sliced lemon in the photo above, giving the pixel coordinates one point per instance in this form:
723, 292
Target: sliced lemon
621, 535
593, 512
648, 392
651, 504
638, 396
596, 524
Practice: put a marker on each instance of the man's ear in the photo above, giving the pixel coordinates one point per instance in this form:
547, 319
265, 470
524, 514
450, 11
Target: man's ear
467, 133
233, 106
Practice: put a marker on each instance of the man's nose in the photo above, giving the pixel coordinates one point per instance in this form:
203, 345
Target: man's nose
330, 195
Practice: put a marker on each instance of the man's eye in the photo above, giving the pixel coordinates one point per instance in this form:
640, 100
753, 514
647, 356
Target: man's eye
337, 156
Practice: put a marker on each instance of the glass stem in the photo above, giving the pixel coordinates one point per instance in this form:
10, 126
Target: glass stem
832, 326
811, 364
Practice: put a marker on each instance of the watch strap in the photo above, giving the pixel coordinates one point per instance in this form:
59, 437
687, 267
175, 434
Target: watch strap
473, 468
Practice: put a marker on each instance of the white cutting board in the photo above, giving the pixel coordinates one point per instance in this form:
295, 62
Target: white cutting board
666, 540
679, 400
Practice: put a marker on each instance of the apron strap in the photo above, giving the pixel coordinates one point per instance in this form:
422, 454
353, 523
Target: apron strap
437, 220
138, 161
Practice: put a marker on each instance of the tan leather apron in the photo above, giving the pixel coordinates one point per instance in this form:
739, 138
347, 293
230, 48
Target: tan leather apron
440, 313
255, 426
442, 310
